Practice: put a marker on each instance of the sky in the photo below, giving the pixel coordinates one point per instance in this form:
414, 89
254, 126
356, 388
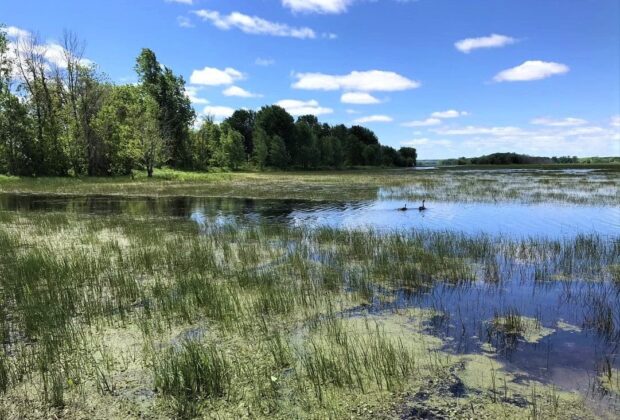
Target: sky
449, 77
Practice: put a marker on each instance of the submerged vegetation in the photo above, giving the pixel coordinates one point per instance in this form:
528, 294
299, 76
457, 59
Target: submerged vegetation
148, 316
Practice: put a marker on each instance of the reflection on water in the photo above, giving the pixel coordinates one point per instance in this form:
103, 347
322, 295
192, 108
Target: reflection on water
551, 220
569, 355
509, 219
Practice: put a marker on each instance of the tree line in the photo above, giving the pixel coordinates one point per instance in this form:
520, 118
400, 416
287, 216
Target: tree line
509, 159
66, 118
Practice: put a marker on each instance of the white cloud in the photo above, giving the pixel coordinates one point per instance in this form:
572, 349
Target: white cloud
373, 119
253, 25
192, 94
537, 140
56, 54
558, 132
615, 121
17, 33
491, 41
352, 111
364, 81
471, 130
564, 122
53, 53
451, 113
415, 142
185, 22
211, 76
296, 107
188, 2
426, 142
218, 112
264, 62
423, 123
531, 70
317, 6
239, 92
358, 98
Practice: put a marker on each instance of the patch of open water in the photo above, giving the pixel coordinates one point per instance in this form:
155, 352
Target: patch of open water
508, 219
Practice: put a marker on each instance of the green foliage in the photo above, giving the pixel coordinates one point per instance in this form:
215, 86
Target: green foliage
277, 156
175, 113
243, 121
70, 121
275, 121
128, 122
261, 148
233, 149
200, 140
509, 159
410, 155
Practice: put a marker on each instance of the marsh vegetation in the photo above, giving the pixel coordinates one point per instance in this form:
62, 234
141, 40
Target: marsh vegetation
580, 184
153, 315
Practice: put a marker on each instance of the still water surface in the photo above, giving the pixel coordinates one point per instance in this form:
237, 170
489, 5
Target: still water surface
507, 219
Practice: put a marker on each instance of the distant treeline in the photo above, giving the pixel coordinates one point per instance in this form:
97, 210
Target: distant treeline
272, 138
509, 159
61, 117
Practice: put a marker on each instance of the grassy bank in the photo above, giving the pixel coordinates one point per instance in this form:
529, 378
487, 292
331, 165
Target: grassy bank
108, 317
453, 184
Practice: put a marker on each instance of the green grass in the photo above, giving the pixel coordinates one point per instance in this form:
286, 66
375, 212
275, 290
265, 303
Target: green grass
261, 321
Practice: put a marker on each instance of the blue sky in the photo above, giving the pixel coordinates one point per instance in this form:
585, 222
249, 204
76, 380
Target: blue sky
449, 77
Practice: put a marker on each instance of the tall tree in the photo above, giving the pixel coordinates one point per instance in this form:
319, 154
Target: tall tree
275, 121
261, 148
233, 149
200, 140
277, 156
243, 121
149, 144
409, 154
15, 123
175, 111
82, 93
306, 151
49, 151
129, 125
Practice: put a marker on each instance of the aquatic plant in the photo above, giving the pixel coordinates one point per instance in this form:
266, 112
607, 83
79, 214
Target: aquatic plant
286, 317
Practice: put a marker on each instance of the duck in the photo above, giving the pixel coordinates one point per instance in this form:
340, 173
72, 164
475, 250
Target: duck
422, 207
403, 208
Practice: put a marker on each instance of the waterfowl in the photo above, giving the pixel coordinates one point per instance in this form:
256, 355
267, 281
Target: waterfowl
403, 208
422, 207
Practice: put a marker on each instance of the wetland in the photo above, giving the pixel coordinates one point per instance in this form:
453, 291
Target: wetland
305, 295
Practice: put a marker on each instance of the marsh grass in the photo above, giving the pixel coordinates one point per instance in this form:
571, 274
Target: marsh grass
190, 373
270, 300
525, 185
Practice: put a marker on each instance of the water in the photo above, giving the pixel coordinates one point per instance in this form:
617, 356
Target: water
506, 219
515, 220
568, 357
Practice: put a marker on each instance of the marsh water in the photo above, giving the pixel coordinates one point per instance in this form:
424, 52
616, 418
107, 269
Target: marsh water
573, 349
507, 219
